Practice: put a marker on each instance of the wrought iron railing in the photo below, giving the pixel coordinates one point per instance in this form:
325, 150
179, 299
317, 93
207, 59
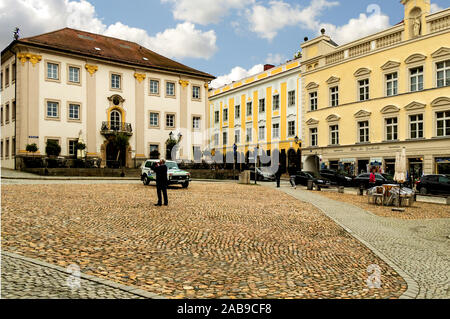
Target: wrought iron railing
116, 127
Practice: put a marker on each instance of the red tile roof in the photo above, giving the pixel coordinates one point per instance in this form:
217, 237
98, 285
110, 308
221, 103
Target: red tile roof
85, 43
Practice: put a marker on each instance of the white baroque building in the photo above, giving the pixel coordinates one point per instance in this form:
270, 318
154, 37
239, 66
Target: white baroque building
71, 84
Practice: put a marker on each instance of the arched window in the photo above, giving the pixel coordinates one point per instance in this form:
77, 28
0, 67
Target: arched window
116, 119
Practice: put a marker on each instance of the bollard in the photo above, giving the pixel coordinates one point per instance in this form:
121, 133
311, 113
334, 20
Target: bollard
361, 190
318, 188
341, 189
310, 185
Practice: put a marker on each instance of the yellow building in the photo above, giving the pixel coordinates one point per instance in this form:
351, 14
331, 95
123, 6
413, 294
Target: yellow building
259, 111
366, 100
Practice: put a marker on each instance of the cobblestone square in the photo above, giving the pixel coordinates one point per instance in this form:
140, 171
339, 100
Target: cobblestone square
213, 241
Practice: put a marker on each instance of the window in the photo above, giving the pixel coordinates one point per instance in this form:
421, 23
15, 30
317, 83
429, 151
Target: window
170, 120
216, 116
154, 148
363, 89
1, 116
443, 73
416, 79
276, 102
443, 123
416, 126
1, 80
225, 115
334, 96
216, 139
154, 119
196, 122
249, 109
74, 74
74, 112
291, 128
262, 133
237, 112
1, 149
237, 136
13, 111
13, 73
313, 136
391, 129
52, 109
116, 120
154, 87
225, 138
170, 89
52, 71
72, 147
7, 77
276, 130
363, 131
115, 81
249, 135
7, 148
313, 101
13, 147
262, 105
391, 84
196, 92
291, 98
7, 113
334, 135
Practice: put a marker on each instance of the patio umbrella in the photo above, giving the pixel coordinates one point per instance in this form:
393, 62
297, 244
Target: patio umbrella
400, 170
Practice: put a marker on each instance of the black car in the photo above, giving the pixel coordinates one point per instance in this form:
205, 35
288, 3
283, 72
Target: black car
302, 178
337, 178
380, 179
434, 184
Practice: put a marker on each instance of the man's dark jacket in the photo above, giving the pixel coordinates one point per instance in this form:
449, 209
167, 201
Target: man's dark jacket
161, 175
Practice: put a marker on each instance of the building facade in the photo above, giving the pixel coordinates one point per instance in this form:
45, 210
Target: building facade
366, 100
259, 111
72, 86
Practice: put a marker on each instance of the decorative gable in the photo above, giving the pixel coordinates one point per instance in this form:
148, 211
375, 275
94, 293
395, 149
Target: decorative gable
390, 65
415, 106
333, 79
333, 118
390, 109
312, 121
362, 72
441, 52
441, 101
417, 57
362, 113
312, 86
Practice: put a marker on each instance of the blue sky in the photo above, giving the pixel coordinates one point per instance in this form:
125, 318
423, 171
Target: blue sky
217, 36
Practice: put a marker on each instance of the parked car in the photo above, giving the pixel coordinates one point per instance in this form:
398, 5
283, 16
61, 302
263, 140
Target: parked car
302, 178
337, 178
364, 179
263, 173
434, 184
174, 174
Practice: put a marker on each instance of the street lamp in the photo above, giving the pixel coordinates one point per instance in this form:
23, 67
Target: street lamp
256, 162
299, 143
171, 135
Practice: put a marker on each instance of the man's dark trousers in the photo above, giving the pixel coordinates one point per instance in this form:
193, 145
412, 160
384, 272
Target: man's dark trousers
162, 189
161, 183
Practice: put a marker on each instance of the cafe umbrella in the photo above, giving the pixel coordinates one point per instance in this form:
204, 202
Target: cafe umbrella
400, 170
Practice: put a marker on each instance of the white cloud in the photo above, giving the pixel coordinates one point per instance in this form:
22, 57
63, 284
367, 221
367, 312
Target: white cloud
268, 21
358, 28
435, 8
237, 73
204, 11
275, 58
40, 16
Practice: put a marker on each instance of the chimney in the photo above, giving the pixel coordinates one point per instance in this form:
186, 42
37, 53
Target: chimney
268, 67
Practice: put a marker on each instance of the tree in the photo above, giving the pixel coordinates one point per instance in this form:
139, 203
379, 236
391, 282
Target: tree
52, 148
154, 154
32, 148
121, 141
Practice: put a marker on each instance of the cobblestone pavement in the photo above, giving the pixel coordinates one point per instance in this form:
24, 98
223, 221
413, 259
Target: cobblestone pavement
23, 278
421, 248
213, 241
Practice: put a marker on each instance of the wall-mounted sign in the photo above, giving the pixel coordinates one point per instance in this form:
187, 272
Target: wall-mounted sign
33, 136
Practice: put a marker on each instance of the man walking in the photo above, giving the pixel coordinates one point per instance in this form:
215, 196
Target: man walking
161, 182
278, 175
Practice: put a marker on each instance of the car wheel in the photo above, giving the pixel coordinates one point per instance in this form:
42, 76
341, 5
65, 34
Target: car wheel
185, 185
146, 180
423, 191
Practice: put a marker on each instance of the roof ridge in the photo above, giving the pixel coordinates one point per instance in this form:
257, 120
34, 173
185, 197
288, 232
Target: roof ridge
42, 34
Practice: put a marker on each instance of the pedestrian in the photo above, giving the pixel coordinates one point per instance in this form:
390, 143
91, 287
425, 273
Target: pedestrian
161, 182
292, 174
278, 175
372, 178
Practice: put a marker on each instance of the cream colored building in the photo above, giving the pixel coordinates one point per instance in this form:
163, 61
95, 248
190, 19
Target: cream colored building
366, 100
69, 84
262, 111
